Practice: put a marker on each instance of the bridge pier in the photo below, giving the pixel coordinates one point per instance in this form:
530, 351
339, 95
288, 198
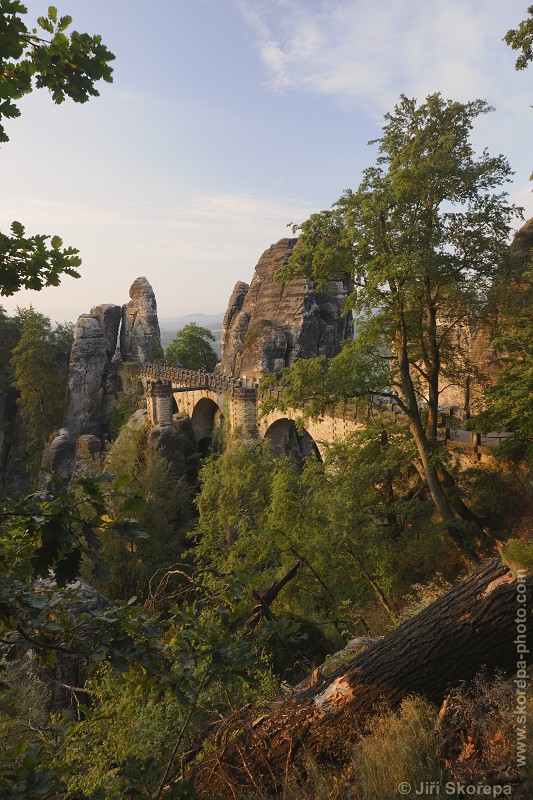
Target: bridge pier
243, 412
159, 402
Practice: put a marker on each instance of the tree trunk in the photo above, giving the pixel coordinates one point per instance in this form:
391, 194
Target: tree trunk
438, 494
472, 625
432, 362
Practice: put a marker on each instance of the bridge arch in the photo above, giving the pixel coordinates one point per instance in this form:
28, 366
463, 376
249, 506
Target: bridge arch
285, 439
206, 418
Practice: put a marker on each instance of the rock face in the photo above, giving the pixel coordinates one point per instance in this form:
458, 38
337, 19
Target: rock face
268, 325
94, 374
140, 336
522, 245
66, 457
86, 380
109, 317
94, 371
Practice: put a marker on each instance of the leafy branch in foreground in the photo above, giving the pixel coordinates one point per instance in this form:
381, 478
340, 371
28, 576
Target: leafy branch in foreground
68, 65
521, 38
43, 539
33, 262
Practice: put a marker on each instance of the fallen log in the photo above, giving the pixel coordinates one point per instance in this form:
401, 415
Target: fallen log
472, 625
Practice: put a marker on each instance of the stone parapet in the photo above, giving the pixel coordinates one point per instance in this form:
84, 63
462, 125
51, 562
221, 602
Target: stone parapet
198, 378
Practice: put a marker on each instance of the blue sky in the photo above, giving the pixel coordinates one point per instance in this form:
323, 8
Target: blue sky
227, 120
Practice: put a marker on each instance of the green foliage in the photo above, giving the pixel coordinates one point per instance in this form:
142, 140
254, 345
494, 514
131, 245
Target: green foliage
49, 616
213, 666
47, 532
521, 39
421, 238
67, 65
492, 494
191, 348
158, 354
236, 488
129, 399
126, 722
262, 514
40, 381
9, 337
128, 741
63, 337
165, 514
317, 385
32, 262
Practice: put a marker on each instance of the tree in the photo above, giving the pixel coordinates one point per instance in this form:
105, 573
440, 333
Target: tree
191, 348
68, 66
9, 336
63, 337
40, 381
363, 506
422, 237
165, 514
180, 666
521, 38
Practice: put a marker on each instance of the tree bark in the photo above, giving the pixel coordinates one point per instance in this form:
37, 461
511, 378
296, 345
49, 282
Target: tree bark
432, 362
472, 625
438, 494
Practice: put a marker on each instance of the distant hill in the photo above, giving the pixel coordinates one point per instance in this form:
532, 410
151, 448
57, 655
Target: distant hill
171, 325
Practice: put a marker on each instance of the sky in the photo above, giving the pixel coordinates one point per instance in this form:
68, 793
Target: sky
227, 120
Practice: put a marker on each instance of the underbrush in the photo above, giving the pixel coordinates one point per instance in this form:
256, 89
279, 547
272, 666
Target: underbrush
421, 751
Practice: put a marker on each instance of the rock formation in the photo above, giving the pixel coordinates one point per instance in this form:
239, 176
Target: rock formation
89, 360
140, 337
94, 374
269, 325
521, 247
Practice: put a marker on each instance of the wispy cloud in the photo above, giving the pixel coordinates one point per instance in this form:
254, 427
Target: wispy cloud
241, 208
368, 51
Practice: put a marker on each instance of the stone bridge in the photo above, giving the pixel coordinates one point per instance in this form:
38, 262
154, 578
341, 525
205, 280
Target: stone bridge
211, 400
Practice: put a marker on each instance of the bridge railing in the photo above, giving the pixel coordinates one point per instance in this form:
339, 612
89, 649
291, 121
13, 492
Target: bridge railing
196, 378
450, 430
